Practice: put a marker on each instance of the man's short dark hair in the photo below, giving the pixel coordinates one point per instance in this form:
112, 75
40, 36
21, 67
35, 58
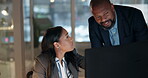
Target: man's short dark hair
94, 3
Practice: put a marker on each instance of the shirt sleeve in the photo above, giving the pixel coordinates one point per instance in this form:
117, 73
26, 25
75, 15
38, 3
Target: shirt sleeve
80, 59
140, 26
94, 33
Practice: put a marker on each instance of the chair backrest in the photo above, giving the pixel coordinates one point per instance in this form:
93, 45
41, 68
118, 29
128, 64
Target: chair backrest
29, 74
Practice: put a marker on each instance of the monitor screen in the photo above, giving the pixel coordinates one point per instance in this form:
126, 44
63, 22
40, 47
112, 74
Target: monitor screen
125, 61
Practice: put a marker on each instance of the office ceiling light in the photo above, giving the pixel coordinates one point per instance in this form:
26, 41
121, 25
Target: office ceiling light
51, 1
5, 12
83, 0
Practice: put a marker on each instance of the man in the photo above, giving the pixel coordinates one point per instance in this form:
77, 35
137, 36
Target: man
113, 25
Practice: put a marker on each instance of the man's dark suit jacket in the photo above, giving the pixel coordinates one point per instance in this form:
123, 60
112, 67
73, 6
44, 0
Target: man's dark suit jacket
131, 28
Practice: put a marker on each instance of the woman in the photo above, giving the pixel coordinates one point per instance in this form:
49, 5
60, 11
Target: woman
58, 59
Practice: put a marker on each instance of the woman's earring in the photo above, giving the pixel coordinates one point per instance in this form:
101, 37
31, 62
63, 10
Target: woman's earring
58, 47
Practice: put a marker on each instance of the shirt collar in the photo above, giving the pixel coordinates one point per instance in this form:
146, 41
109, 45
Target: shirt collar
57, 59
115, 25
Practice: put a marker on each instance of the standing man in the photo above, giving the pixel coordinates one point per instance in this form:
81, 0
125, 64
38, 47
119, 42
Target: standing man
113, 25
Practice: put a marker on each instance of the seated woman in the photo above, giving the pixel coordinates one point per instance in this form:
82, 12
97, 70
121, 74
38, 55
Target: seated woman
58, 59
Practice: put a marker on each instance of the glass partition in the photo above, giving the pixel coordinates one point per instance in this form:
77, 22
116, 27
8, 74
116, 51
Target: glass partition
49, 13
81, 24
7, 61
29, 56
139, 4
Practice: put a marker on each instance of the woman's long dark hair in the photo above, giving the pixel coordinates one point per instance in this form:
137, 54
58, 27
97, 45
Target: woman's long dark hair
53, 35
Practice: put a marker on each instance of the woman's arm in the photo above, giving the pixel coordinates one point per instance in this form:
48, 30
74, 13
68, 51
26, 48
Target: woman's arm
39, 70
80, 59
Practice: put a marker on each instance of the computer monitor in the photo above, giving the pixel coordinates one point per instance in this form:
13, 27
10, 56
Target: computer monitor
125, 61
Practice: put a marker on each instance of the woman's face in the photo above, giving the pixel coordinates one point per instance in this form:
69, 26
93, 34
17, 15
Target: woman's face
65, 42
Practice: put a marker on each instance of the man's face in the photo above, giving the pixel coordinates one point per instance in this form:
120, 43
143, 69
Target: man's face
104, 15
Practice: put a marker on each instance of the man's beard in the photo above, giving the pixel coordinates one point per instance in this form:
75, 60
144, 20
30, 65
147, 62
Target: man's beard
107, 28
